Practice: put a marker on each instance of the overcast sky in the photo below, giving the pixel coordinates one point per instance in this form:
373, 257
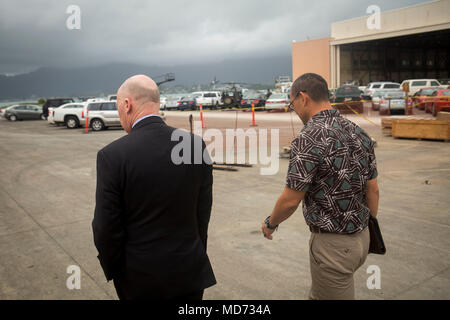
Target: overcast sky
33, 34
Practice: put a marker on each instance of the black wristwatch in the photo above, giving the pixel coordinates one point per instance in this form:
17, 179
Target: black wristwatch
268, 224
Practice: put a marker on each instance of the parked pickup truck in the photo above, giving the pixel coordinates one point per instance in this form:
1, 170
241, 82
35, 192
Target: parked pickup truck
416, 84
69, 114
209, 99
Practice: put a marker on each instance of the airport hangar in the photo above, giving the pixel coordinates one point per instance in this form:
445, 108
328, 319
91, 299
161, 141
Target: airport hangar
411, 43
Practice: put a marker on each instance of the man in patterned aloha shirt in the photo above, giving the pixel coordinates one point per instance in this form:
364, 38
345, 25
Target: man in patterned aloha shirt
333, 169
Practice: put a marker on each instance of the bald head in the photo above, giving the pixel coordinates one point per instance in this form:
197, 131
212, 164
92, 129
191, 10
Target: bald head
138, 96
141, 89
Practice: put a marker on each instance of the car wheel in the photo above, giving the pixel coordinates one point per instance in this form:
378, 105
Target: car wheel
43, 117
71, 122
97, 125
12, 117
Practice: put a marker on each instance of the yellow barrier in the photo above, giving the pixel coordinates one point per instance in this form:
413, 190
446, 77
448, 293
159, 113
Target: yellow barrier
362, 116
432, 100
333, 104
285, 108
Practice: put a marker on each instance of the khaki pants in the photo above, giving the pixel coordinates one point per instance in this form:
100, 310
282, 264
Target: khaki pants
333, 259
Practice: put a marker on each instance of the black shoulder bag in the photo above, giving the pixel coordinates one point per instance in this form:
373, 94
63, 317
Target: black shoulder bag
376, 239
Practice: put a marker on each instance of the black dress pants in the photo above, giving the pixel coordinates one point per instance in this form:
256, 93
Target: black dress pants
122, 294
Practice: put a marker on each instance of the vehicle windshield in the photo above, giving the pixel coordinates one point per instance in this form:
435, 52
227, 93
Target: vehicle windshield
391, 86
348, 90
395, 95
251, 95
278, 96
427, 92
378, 94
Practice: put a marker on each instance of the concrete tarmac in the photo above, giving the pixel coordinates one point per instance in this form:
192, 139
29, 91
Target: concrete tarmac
47, 199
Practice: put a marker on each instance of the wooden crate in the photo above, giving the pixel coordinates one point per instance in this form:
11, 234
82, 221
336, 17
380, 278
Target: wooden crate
441, 115
386, 126
421, 129
386, 122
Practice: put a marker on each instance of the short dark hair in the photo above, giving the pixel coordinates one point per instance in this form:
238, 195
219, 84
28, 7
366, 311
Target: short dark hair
312, 84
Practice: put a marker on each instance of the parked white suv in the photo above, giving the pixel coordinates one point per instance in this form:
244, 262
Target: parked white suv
416, 84
68, 114
381, 85
101, 114
207, 98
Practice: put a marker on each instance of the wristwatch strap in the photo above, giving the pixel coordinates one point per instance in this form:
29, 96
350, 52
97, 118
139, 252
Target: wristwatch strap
268, 224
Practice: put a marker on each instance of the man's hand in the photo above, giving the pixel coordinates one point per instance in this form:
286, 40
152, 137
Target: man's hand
266, 231
286, 204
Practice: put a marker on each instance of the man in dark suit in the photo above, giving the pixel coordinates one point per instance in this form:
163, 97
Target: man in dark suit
151, 216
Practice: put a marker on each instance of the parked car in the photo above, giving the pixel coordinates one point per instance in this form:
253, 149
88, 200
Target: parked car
162, 103
256, 98
444, 82
347, 99
376, 97
24, 112
420, 97
417, 84
277, 101
101, 114
187, 103
173, 102
54, 103
381, 85
69, 114
440, 100
347, 93
207, 99
393, 102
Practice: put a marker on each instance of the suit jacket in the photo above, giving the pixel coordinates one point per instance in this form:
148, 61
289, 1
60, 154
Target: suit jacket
151, 217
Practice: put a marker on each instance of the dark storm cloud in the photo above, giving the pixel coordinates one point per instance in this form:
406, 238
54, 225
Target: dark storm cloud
34, 33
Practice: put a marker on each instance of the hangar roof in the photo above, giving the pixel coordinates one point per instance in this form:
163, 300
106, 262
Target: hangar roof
424, 17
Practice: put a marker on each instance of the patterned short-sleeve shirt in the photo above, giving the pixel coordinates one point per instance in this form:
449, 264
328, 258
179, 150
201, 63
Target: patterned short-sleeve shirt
332, 160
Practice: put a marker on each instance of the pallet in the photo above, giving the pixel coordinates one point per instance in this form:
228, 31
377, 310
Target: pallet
421, 129
443, 116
